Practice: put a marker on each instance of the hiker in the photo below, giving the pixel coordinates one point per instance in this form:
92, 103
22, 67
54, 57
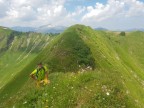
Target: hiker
40, 75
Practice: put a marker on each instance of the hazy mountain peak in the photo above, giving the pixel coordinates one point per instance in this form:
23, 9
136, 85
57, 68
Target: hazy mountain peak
47, 25
1, 27
48, 28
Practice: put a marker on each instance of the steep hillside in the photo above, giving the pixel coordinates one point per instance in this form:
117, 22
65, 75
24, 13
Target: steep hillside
68, 53
88, 68
17, 50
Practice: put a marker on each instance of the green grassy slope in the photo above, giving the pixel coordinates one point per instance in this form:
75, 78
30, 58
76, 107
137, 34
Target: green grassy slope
115, 82
17, 50
114, 49
68, 53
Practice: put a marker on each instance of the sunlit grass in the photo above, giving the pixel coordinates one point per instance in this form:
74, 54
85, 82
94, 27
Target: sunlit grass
116, 82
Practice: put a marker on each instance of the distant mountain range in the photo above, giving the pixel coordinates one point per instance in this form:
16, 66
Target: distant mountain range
58, 29
136, 29
50, 29
46, 29
127, 30
100, 28
23, 29
42, 29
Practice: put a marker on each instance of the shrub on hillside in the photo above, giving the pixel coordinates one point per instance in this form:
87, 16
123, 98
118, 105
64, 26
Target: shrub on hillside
122, 33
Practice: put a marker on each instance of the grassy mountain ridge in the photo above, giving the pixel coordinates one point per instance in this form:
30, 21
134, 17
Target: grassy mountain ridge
115, 82
69, 53
48, 54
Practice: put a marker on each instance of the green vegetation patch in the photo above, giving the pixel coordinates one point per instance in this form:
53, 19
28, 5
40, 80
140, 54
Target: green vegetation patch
69, 53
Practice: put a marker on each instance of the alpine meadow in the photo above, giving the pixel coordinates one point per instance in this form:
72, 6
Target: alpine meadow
87, 68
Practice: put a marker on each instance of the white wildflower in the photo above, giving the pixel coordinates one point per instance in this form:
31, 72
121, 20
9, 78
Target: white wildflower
25, 102
45, 94
85, 87
127, 92
107, 93
136, 101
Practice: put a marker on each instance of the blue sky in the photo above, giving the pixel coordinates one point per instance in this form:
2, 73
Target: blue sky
110, 14
72, 4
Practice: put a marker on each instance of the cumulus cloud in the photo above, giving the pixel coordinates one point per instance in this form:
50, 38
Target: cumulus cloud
78, 11
114, 8
32, 12
3, 8
136, 8
115, 14
58, 12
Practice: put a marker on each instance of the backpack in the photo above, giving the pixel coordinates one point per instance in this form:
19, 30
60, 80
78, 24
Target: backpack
38, 70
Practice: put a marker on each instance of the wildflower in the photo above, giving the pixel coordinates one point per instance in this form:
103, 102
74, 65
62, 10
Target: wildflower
127, 92
25, 102
85, 87
107, 93
45, 94
142, 83
136, 101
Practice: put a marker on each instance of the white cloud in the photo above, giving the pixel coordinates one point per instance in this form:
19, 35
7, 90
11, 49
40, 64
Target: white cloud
12, 13
115, 14
114, 8
78, 11
101, 12
32, 12
3, 8
136, 8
